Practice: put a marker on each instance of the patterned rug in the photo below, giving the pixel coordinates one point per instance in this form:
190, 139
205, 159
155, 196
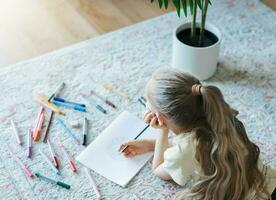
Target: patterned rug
126, 58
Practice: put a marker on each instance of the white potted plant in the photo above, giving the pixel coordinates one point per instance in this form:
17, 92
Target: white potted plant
195, 45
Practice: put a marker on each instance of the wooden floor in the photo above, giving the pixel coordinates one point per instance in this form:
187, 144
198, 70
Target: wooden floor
29, 28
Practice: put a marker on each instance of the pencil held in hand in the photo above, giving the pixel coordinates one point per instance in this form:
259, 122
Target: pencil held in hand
126, 147
137, 147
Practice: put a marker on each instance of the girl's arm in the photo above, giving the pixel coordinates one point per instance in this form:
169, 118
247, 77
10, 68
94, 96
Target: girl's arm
161, 145
137, 147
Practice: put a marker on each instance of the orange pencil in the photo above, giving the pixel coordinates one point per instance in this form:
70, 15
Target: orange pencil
37, 129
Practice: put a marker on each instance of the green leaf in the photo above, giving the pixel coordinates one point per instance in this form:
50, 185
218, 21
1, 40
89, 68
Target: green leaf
160, 3
192, 7
209, 1
199, 3
177, 6
166, 2
184, 6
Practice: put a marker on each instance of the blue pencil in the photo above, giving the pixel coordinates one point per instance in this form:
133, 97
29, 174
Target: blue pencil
68, 102
69, 105
67, 130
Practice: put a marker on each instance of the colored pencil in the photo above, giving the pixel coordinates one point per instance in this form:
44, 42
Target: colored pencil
49, 180
42, 99
48, 127
109, 87
103, 99
84, 131
26, 169
93, 184
67, 130
57, 91
126, 147
97, 106
70, 161
53, 168
39, 122
29, 151
54, 157
15, 131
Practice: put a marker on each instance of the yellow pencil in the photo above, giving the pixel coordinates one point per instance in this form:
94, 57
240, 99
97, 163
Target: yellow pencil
43, 99
111, 89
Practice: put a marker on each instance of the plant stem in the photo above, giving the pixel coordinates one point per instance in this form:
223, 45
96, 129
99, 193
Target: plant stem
203, 19
193, 25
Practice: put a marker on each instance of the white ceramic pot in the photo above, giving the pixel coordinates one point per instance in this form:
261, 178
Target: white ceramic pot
200, 62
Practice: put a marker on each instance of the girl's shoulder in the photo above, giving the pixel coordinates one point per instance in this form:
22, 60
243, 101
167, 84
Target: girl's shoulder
269, 172
179, 159
185, 140
182, 145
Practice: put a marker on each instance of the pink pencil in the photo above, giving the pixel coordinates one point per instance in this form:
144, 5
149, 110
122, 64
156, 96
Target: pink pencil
41, 109
72, 165
26, 169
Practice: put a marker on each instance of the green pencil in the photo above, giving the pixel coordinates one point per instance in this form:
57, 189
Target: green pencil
49, 180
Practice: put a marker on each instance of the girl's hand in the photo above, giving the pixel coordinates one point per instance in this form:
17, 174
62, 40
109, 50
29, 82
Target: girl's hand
137, 147
154, 120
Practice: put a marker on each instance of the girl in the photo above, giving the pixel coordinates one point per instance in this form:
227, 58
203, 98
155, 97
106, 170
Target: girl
210, 146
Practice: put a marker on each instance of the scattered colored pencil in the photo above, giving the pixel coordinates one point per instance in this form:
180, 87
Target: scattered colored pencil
84, 131
53, 154
109, 87
49, 180
26, 169
103, 99
15, 131
57, 91
42, 99
67, 130
48, 127
72, 165
93, 184
39, 122
69, 105
53, 168
97, 106
68, 102
29, 150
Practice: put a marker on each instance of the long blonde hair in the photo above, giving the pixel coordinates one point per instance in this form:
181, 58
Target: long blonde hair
228, 159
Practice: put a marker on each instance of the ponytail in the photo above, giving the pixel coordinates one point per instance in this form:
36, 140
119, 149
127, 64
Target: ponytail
218, 113
230, 152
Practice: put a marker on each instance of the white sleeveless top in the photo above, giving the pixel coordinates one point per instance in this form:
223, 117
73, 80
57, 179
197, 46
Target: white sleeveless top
181, 164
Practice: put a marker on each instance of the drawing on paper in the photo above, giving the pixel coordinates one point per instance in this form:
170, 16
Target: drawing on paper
113, 146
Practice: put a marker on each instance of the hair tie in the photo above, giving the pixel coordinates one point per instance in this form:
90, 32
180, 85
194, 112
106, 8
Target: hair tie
196, 89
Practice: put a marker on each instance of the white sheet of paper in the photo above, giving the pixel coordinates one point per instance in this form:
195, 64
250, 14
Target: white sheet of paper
102, 154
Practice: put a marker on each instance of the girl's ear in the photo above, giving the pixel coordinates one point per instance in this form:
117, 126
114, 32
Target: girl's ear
161, 118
